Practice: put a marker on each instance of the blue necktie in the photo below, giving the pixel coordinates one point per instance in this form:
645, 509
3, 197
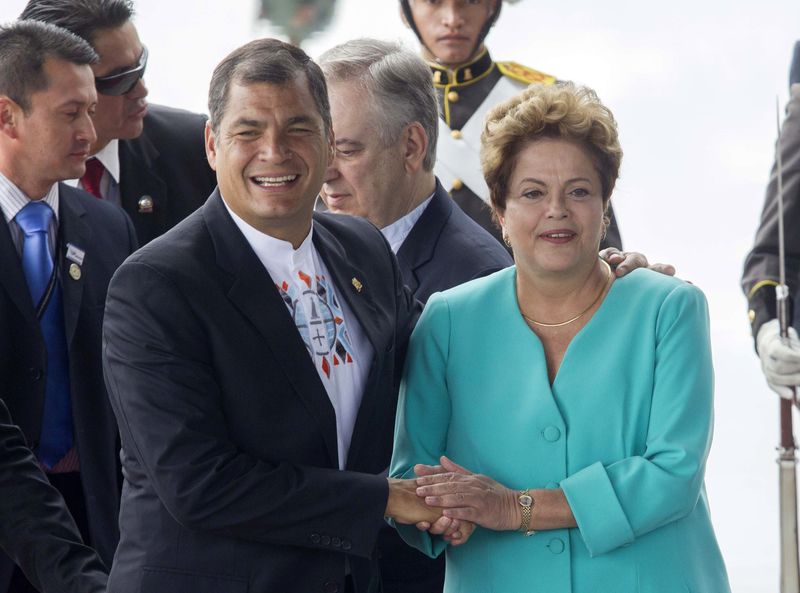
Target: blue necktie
37, 263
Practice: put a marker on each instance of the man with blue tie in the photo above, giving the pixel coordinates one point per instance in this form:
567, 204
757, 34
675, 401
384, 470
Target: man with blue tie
58, 249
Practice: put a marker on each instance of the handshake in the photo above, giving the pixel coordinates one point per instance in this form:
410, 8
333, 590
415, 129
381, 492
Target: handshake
450, 501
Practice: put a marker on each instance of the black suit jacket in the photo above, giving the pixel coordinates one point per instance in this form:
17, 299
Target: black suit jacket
36, 529
445, 248
228, 436
166, 163
107, 237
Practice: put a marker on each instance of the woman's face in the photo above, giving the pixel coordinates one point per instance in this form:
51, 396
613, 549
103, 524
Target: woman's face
554, 208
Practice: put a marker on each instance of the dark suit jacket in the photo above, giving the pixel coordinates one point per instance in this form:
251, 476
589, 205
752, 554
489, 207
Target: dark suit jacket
167, 162
106, 235
761, 267
794, 69
228, 436
36, 529
445, 248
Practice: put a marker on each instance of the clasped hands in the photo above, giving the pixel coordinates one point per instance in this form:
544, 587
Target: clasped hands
449, 500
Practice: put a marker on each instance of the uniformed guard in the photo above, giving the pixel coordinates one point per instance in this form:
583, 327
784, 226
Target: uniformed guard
469, 83
780, 361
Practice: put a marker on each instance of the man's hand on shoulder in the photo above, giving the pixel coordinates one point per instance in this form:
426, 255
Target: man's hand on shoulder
628, 261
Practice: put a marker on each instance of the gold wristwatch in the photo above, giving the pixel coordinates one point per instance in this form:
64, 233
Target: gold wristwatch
526, 503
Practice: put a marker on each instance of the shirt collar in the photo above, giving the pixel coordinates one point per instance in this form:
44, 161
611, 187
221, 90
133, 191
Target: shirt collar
273, 253
13, 199
109, 157
397, 232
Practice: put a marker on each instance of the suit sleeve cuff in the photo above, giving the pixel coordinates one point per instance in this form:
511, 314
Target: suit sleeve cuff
763, 305
597, 510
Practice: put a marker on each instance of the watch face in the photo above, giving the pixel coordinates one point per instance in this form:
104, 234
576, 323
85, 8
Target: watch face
525, 500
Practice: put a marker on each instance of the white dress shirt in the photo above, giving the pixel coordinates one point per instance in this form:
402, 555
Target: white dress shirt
397, 232
334, 339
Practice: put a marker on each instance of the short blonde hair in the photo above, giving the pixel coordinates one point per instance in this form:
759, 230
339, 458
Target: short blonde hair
563, 111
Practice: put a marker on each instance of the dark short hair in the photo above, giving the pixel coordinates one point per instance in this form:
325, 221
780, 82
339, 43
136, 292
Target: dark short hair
270, 61
82, 17
24, 48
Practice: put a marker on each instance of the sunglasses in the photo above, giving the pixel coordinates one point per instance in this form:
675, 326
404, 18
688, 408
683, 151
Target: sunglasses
122, 83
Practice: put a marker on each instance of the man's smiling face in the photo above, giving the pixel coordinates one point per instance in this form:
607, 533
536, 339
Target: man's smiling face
270, 151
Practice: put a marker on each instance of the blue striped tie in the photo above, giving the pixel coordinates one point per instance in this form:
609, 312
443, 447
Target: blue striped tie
56, 436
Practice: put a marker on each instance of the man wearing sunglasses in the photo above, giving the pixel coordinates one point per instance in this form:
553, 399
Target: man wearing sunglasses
149, 159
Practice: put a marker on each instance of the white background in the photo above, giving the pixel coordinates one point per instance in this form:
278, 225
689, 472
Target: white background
693, 86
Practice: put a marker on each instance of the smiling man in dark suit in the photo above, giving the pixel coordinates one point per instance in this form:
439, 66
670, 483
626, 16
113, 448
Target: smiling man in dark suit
147, 158
252, 355
58, 249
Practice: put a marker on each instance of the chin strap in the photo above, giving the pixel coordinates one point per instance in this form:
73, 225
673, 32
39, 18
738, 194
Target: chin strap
406, 7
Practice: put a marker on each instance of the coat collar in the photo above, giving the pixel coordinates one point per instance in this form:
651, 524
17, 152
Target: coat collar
74, 229
462, 74
420, 245
13, 278
253, 292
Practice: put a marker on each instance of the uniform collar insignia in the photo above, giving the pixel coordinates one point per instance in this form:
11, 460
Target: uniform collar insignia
443, 76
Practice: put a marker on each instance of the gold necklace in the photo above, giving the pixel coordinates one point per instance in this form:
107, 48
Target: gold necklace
609, 278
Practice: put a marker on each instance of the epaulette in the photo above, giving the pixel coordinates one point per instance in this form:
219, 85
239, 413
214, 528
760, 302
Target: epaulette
523, 73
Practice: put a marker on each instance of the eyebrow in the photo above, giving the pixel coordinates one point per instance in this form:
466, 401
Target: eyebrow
125, 68
74, 103
340, 141
540, 182
250, 123
302, 119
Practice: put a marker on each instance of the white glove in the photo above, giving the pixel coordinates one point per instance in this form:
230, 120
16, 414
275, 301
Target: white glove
780, 362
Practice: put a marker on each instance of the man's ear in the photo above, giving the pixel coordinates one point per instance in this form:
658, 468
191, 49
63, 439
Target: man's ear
10, 115
415, 146
211, 146
331, 146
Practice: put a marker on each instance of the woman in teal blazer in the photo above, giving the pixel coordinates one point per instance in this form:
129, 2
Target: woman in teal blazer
582, 403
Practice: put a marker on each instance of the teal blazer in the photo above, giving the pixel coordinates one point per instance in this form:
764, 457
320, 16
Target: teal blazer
624, 430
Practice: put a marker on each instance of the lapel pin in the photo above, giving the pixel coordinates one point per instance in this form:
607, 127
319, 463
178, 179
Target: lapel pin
357, 284
75, 254
145, 205
75, 271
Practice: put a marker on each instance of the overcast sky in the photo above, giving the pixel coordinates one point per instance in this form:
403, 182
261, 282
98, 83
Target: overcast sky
693, 86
